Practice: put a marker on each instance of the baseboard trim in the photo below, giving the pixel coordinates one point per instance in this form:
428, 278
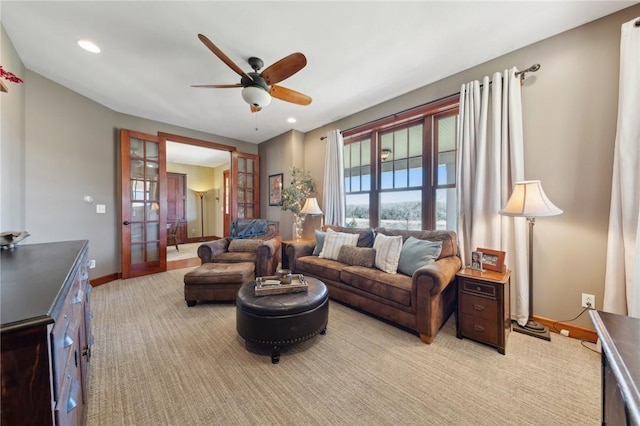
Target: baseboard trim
575, 331
95, 282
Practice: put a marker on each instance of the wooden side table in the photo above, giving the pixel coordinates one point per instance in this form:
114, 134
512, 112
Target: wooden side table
484, 309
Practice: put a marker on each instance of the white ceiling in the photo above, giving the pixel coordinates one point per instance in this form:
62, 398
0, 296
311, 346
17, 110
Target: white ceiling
359, 54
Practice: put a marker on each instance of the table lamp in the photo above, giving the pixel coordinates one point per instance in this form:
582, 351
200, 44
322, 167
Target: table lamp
311, 207
529, 200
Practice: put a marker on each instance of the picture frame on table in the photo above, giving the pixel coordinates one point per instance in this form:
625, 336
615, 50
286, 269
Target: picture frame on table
275, 189
492, 260
476, 260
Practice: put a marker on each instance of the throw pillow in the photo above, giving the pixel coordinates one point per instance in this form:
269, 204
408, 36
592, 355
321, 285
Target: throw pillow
245, 245
333, 241
357, 256
319, 242
417, 253
387, 252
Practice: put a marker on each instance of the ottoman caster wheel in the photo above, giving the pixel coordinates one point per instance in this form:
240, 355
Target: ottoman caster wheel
275, 355
191, 303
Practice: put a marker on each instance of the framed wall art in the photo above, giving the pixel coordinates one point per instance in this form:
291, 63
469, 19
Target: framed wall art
275, 189
492, 260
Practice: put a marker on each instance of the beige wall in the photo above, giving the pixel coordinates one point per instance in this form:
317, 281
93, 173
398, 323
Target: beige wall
569, 111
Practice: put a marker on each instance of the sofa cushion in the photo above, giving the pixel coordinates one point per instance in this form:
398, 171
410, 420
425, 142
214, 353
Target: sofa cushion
448, 238
417, 253
319, 242
319, 267
248, 245
394, 287
387, 252
334, 240
365, 235
357, 256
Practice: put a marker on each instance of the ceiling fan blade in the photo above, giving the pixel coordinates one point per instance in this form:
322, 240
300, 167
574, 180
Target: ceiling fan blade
220, 54
218, 86
255, 108
289, 95
284, 68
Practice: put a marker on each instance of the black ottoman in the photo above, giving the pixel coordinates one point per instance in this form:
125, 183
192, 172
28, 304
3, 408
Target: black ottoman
282, 319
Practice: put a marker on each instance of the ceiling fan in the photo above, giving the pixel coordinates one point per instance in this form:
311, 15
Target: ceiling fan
259, 87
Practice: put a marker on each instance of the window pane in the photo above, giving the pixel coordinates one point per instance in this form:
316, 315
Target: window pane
153, 231
357, 210
136, 148
415, 171
386, 142
446, 168
152, 151
153, 251
137, 254
347, 156
242, 164
446, 209
250, 165
153, 212
137, 190
401, 142
401, 209
355, 180
365, 183
365, 157
401, 174
152, 171
136, 233
447, 133
386, 178
355, 154
415, 141
137, 169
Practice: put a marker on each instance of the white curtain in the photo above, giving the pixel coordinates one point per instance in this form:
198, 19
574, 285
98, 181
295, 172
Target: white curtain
334, 198
490, 160
622, 280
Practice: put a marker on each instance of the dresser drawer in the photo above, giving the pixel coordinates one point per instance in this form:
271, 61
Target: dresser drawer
480, 307
65, 349
479, 287
480, 329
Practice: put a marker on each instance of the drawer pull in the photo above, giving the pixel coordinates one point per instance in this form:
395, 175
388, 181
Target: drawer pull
89, 289
478, 307
478, 328
78, 298
87, 352
68, 341
73, 396
479, 288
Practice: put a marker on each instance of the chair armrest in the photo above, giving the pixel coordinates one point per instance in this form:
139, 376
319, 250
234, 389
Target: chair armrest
208, 250
298, 249
268, 256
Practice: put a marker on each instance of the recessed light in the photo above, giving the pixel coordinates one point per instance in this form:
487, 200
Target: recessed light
291, 120
88, 46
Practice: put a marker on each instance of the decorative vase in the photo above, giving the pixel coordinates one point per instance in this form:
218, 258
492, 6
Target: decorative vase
297, 227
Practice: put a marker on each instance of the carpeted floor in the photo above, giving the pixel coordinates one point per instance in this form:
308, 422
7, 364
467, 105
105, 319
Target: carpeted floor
157, 362
187, 251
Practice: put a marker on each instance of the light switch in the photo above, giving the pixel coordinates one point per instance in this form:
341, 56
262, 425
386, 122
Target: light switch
101, 208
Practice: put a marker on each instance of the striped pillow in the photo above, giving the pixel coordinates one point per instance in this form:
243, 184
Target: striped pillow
388, 252
334, 240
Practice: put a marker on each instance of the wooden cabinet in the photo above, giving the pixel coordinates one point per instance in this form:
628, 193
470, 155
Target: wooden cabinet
620, 339
46, 333
484, 312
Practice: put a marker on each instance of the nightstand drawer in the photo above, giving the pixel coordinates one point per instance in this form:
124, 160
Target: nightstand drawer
479, 287
480, 329
477, 306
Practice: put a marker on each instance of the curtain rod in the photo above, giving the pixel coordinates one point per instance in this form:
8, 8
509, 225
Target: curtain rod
532, 68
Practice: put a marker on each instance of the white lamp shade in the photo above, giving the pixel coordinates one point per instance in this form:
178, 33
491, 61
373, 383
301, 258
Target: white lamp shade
311, 207
256, 96
529, 200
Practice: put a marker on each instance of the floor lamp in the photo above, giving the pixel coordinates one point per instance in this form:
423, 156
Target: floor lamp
529, 200
201, 195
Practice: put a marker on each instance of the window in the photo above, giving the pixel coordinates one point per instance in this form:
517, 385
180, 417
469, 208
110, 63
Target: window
400, 172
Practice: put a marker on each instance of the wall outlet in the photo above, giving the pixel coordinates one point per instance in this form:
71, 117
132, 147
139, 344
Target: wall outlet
92, 264
588, 301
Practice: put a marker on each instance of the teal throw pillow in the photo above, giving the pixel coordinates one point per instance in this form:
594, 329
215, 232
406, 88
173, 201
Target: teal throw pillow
319, 242
417, 253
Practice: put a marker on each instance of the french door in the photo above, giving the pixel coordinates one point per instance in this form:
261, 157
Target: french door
143, 206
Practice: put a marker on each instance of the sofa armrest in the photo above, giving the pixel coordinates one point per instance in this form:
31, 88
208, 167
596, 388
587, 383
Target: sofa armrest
437, 275
297, 249
208, 250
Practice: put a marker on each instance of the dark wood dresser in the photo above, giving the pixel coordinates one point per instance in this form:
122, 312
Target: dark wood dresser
46, 333
620, 339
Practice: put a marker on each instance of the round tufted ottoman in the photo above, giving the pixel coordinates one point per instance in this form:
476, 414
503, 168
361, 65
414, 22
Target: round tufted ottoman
282, 319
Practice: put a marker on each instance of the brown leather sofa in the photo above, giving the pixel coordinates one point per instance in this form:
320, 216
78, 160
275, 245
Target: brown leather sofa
262, 249
421, 303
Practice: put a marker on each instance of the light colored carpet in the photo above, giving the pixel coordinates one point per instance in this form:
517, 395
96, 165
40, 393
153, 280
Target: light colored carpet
158, 362
187, 251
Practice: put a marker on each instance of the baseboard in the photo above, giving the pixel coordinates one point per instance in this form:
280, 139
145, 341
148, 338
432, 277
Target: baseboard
95, 282
575, 331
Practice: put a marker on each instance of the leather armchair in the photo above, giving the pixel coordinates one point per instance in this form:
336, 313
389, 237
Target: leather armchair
263, 250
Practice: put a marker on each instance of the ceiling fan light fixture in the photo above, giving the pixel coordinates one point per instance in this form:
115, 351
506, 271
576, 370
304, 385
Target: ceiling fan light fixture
89, 46
256, 96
